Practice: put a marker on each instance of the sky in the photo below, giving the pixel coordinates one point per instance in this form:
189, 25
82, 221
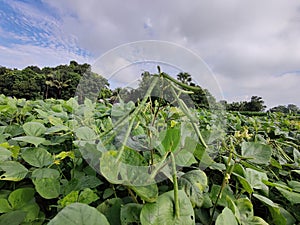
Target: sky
252, 47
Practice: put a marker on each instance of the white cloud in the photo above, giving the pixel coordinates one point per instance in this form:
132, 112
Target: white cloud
22, 56
247, 44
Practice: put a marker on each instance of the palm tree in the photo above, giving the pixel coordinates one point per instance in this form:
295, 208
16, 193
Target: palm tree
56, 80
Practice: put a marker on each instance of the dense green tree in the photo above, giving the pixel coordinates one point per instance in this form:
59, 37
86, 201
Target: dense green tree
290, 108
256, 104
22, 84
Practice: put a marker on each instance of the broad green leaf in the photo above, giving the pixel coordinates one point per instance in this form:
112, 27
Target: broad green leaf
226, 217
55, 120
79, 214
45, 173
130, 213
78, 184
244, 182
87, 196
48, 188
56, 128
227, 192
293, 197
46, 182
162, 212
294, 185
111, 173
36, 141
12, 218
32, 211
14, 171
5, 154
255, 179
184, 156
111, 208
4, 206
245, 208
290, 220
274, 209
254, 220
148, 193
37, 157
85, 133
34, 129
170, 139
194, 184
234, 208
201, 153
21, 197
257, 152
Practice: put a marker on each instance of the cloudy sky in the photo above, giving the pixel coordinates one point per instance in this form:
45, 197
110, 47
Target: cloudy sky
252, 47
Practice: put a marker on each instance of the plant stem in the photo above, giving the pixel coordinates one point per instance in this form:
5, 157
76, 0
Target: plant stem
188, 113
176, 200
188, 87
133, 115
229, 169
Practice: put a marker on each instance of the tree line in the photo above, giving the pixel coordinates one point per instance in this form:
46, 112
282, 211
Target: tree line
61, 82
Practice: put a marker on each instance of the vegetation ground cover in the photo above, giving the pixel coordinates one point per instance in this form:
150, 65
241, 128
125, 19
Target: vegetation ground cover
64, 162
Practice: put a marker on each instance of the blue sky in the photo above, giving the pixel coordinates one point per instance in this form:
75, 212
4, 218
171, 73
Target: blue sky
252, 47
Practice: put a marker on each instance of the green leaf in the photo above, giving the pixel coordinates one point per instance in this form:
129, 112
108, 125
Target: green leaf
184, 156
108, 192
48, 188
295, 185
87, 196
246, 185
293, 197
4, 154
21, 197
79, 214
45, 173
254, 220
46, 182
194, 184
14, 171
32, 209
170, 139
255, 179
12, 218
111, 208
226, 217
85, 133
162, 212
257, 152
34, 129
56, 128
227, 192
37, 157
148, 193
278, 218
130, 213
70, 198
4, 206
36, 141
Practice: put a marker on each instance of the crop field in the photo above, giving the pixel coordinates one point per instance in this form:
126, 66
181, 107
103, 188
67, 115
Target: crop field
62, 162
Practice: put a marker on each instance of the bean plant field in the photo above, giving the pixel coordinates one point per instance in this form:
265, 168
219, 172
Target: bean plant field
64, 162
